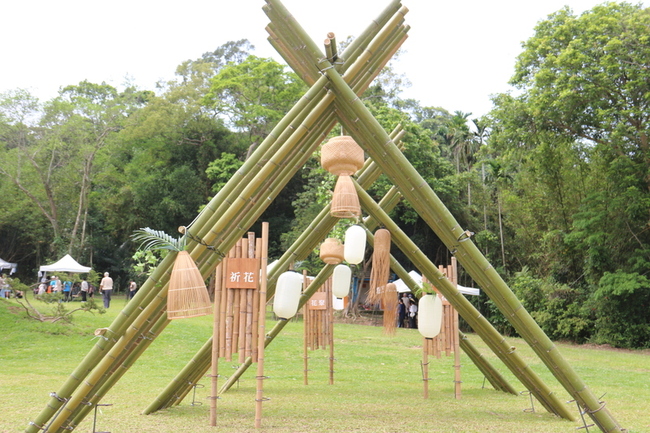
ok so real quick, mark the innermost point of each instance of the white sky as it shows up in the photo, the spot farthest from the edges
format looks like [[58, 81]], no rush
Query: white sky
[[458, 52]]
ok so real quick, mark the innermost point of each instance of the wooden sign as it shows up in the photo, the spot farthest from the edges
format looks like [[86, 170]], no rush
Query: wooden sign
[[318, 301], [242, 273]]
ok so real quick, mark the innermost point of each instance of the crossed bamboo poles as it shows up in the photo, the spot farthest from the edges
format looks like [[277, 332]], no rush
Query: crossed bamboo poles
[[243, 199]]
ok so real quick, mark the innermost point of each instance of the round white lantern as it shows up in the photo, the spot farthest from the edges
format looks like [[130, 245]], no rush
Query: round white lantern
[[429, 315], [287, 294], [355, 244], [341, 278]]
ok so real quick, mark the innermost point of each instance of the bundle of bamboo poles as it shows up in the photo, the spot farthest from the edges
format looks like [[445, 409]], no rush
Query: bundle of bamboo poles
[[239, 307], [217, 227]]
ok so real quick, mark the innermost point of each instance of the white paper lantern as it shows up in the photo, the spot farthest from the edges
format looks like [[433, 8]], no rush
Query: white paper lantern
[[429, 315], [287, 294], [341, 278], [355, 244]]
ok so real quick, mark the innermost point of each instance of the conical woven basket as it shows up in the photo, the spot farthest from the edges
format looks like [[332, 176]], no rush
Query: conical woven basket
[[187, 295], [345, 201], [331, 251], [341, 156]]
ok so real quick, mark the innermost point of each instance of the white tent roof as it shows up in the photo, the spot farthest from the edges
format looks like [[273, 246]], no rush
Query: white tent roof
[[7, 265], [402, 287], [66, 264]]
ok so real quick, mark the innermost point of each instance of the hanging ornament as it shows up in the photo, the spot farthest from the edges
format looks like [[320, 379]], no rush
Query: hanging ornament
[[380, 266], [343, 157], [429, 315], [355, 244], [341, 278], [187, 295], [287, 294], [331, 251], [389, 301]]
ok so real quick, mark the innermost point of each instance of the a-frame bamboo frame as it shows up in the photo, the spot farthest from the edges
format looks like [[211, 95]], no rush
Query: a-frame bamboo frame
[[336, 82]]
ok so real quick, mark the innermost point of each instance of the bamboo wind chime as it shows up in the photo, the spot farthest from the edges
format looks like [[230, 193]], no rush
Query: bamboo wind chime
[[318, 315], [343, 157], [380, 290], [239, 309]]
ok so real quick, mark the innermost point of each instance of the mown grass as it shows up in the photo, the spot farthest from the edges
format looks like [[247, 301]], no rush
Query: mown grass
[[377, 387]]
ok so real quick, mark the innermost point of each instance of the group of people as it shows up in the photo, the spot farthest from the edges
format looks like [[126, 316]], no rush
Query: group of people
[[407, 311], [83, 289]]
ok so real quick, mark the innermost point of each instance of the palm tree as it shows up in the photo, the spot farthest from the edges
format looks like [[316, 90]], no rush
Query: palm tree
[[498, 176]]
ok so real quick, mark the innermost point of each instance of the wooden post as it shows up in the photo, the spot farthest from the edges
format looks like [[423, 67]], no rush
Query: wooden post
[[330, 322], [426, 342], [259, 398], [307, 332], [215, 346]]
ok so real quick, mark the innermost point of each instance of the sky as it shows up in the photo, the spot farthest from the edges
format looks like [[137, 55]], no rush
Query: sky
[[458, 52]]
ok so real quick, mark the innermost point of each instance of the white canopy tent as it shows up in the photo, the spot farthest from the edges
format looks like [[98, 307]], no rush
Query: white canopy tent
[[66, 264], [7, 265], [402, 287]]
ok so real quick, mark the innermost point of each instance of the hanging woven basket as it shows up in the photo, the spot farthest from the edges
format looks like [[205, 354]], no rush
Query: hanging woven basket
[[341, 156], [331, 251], [187, 295], [380, 265]]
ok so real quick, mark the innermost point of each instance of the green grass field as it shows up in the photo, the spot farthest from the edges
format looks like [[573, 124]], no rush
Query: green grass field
[[378, 386]]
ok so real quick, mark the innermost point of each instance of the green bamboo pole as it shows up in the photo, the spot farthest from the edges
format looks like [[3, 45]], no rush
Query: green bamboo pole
[[155, 330], [490, 335], [493, 376], [380, 145]]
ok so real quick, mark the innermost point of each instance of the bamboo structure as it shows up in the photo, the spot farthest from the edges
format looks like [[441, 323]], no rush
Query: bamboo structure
[[336, 81], [318, 319]]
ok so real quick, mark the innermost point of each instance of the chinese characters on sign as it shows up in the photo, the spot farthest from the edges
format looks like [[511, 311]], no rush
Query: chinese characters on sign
[[243, 273], [318, 301]]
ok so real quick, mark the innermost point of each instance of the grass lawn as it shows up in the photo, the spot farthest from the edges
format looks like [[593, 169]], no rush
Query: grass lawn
[[378, 386]]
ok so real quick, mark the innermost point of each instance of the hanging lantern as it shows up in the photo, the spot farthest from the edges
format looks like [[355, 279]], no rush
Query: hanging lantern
[[343, 157], [341, 279], [380, 266], [187, 295], [287, 294], [355, 244], [429, 315], [389, 301], [331, 251]]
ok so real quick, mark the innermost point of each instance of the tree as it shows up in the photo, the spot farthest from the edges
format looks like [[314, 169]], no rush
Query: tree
[[254, 95]]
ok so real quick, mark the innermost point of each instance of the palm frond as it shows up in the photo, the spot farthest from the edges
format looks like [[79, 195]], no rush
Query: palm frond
[[157, 240]]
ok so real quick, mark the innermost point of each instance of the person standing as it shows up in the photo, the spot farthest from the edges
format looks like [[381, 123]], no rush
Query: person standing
[[133, 289], [413, 312], [84, 290], [106, 287], [67, 287], [401, 313]]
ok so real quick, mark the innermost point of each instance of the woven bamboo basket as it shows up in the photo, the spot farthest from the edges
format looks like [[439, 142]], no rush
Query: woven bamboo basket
[[331, 251], [187, 295], [341, 156]]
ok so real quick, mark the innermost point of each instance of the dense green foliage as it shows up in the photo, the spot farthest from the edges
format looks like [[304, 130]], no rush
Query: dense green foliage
[[554, 182]]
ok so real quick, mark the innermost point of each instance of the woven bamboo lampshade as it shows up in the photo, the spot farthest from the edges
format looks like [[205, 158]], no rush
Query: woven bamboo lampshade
[[343, 157], [187, 295], [331, 251]]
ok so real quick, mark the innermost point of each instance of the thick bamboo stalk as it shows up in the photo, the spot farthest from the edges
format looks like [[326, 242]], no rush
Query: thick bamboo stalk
[[306, 334], [426, 345], [496, 342], [493, 376]]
